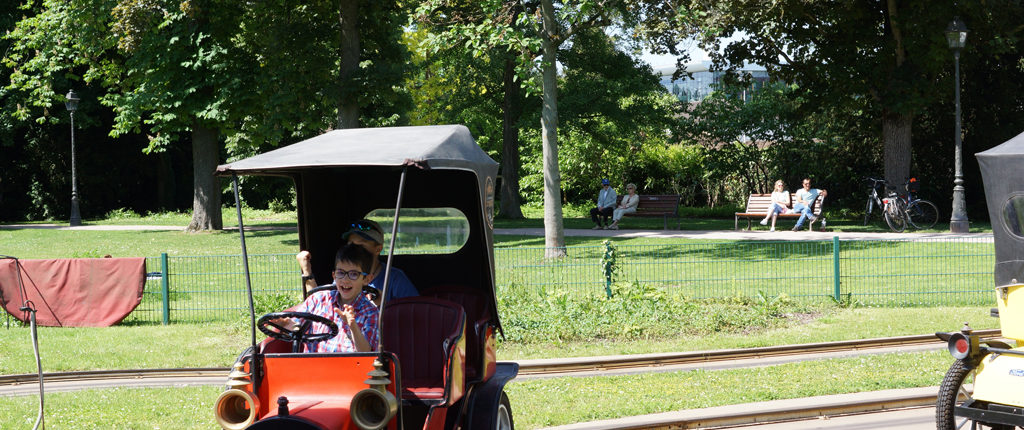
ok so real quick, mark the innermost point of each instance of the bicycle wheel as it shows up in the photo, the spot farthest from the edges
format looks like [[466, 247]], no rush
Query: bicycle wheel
[[867, 210], [895, 217], [923, 214]]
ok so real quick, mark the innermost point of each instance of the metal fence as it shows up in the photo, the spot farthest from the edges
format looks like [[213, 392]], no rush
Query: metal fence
[[956, 271], [912, 272]]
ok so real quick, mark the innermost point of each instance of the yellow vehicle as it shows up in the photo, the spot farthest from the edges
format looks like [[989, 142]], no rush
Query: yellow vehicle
[[985, 386]]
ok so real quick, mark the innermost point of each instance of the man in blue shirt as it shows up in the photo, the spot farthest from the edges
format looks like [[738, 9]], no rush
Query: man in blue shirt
[[605, 205], [804, 204], [369, 235]]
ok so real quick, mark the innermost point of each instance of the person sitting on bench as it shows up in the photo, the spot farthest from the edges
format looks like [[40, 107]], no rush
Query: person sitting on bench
[[627, 206], [605, 205], [780, 204], [805, 204]]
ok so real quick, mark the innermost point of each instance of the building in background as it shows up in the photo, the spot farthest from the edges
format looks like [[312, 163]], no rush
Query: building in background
[[704, 80]]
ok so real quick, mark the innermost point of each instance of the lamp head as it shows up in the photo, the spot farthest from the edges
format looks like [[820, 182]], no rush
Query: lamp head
[[956, 34], [72, 101]]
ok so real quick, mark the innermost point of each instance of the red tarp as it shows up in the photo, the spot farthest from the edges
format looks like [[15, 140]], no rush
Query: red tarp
[[74, 292]]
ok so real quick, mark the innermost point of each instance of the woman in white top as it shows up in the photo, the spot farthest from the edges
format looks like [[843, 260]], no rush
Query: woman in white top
[[628, 205], [780, 204]]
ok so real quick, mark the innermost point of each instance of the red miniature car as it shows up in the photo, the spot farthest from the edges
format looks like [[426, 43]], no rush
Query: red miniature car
[[435, 367]]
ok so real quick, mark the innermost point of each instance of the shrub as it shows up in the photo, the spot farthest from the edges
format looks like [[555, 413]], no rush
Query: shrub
[[635, 311]]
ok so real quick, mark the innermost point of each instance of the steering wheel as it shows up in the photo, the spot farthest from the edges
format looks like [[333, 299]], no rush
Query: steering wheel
[[298, 335]]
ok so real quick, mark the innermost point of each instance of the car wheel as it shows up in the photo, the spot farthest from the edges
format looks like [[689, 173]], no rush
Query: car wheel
[[952, 393], [504, 419]]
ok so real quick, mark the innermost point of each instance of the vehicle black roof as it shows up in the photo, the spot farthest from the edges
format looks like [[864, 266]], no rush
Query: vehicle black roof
[[1002, 170], [434, 147]]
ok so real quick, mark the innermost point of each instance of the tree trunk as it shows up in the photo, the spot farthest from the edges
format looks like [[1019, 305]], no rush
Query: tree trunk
[[206, 188], [896, 134], [348, 105], [554, 236], [510, 199], [896, 127]]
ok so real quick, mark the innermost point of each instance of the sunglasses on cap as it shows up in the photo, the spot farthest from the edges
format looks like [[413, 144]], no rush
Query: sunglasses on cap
[[362, 227]]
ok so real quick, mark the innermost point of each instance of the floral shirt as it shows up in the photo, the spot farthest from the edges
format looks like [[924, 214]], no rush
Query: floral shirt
[[323, 304]]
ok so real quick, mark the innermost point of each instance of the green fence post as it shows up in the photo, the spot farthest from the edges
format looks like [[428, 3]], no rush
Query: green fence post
[[835, 270], [165, 286]]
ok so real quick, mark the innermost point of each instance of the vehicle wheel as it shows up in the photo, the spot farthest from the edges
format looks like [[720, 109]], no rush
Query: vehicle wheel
[[504, 419], [923, 214], [867, 211], [894, 217], [952, 393]]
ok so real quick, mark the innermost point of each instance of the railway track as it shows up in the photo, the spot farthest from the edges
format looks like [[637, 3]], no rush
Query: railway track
[[556, 367], [774, 412]]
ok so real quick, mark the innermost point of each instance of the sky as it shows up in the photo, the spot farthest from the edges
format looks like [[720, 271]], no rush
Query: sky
[[657, 61], [697, 55]]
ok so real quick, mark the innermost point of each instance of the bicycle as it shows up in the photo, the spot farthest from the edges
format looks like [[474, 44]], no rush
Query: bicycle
[[922, 214], [873, 199], [900, 211]]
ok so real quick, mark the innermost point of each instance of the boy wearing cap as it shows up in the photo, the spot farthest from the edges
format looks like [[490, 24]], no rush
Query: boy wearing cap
[[605, 205], [369, 235]]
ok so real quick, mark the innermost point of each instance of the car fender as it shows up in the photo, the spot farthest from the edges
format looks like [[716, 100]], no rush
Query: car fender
[[485, 396]]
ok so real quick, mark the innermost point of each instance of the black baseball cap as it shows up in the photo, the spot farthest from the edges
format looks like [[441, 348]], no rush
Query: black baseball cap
[[368, 229]]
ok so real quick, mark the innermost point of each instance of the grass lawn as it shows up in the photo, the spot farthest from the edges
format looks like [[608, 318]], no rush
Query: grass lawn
[[542, 403], [641, 318], [217, 345], [535, 404], [574, 217]]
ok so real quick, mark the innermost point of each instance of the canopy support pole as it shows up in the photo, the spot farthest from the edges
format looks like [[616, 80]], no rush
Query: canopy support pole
[[248, 286], [391, 251]]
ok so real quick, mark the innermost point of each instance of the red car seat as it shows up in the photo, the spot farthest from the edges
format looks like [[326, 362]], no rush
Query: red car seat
[[427, 335]]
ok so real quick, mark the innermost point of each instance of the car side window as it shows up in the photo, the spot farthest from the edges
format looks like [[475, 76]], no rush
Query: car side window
[[1013, 215], [424, 230]]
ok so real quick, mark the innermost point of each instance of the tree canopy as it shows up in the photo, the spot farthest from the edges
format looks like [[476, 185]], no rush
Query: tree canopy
[[551, 89]]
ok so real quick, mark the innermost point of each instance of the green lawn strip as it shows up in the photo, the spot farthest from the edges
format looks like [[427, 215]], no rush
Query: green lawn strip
[[535, 403], [548, 402], [43, 243], [179, 408], [49, 243], [123, 347], [217, 345], [844, 324], [574, 217], [229, 218]]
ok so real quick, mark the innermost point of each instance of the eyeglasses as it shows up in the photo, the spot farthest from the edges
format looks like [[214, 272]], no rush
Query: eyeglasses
[[352, 274]]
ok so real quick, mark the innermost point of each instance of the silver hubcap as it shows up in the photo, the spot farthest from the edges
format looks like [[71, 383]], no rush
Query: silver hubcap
[[504, 421]]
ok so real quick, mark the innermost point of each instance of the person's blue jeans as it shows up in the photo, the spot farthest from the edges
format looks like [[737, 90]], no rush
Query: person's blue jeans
[[805, 213]]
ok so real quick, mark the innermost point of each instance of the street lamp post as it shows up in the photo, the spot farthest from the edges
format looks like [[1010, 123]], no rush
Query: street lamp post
[[72, 105], [956, 35]]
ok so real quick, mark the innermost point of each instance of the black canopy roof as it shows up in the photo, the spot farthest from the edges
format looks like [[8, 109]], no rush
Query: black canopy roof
[[436, 146], [1002, 170]]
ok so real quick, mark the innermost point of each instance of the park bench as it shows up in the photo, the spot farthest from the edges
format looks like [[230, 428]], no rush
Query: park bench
[[757, 208], [656, 205]]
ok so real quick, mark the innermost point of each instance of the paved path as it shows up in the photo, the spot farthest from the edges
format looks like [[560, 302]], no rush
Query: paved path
[[742, 234], [678, 234]]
